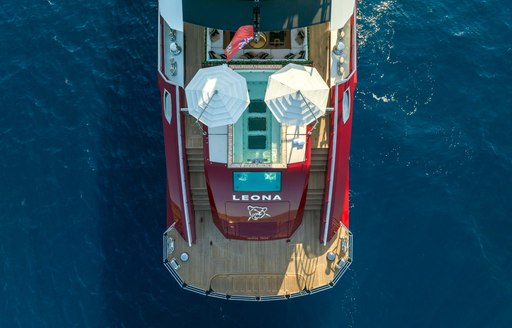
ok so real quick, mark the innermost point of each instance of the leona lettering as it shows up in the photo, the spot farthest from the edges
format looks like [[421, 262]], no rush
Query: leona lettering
[[256, 197]]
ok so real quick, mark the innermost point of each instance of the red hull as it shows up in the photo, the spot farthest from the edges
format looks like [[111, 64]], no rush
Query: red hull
[[179, 211], [230, 209]]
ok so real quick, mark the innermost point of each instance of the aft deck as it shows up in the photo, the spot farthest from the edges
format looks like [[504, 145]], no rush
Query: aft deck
[[252, 268]]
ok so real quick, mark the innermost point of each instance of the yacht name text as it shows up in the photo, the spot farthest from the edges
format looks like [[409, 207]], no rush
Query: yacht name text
[[256, 197]]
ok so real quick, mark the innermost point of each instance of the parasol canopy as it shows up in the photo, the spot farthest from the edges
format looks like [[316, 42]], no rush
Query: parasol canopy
[[296, 95], [217, 96]]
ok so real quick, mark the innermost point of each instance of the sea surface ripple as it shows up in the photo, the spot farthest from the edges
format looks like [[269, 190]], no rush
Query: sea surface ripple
[[82, 173]]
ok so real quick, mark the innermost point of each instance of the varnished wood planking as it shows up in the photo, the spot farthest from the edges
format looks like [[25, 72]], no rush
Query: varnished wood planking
[[193, 133], [194, 50], [319, 36], [319, 49], [320, 136], [232, 266]]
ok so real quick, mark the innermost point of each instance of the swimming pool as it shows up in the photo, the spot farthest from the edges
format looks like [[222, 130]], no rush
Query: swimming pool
[[257, 134]]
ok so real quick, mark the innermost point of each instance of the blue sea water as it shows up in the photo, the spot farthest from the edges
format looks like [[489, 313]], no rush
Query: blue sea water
[[82, 179]]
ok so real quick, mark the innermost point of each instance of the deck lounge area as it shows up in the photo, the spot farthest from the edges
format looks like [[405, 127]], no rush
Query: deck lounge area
[[255, 268]]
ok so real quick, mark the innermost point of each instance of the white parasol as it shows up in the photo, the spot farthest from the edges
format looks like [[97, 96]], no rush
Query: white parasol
[[217, 96], [296, 95]]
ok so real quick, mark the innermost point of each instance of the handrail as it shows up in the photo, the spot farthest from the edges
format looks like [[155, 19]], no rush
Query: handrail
[[226, 296]]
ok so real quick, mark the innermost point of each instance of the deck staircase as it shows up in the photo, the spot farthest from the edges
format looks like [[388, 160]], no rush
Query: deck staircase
[[195, 163]]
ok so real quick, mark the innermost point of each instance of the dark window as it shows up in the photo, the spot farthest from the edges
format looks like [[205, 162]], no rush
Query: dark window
[[257, 107], [278, 39], [257, 142], [257, 124]]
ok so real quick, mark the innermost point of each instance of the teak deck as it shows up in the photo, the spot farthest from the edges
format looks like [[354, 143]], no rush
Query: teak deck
[[257, 268]]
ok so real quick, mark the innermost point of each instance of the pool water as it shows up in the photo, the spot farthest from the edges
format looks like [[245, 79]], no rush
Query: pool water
[[257, 134], [257, 181]]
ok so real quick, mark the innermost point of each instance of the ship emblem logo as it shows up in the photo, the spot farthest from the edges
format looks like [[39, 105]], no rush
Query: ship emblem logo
[[257, 212]]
